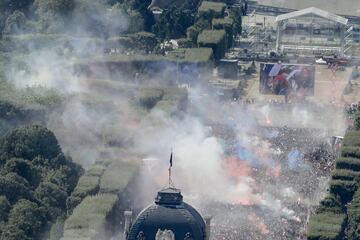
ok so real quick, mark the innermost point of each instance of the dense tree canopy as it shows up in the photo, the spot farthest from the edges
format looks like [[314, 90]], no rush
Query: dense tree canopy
[[8, 6], [54, 6], [174, 21], [36, 179], [26, 219], [30, 142]]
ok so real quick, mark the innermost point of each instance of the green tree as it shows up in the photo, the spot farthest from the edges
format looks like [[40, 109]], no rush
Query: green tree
[[142, 7], [14, 187], [357, 122], [236, 14], [29, 142], [37, 178], [194, 31], [62, 7], [53, 14], [4, 209], [12, 5], [15, 23], [53, 197], [123, 19], [24, 169], [89, 16], [26, 220], [174, 22]]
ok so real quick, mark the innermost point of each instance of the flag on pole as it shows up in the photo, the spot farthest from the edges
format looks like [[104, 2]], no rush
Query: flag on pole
[[170, 165], [171, 159]]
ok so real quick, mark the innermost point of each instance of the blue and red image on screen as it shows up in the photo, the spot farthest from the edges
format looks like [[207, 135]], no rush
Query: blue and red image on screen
[[287, 79]]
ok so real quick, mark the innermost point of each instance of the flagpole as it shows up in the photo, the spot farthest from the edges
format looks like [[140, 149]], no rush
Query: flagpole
[[170, 166]]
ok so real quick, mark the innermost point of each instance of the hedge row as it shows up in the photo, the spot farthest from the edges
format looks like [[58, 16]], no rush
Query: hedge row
[[227, 24], [330, 221], [354, 217], [210, 10], [117, 177], [344, 189], [150, 96], [27, 42], [90, 217], [185, 43], [348, 163], [198, 55], [215, 39], [89, 184], [352, 133], [211, 37], [94, 204], [350, 151], [352, 138], [331, 204], [143, 41], [326, 226], [345, 174]]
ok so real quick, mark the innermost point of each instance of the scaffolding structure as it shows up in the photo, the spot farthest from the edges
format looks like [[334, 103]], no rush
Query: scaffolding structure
[[313, 31]]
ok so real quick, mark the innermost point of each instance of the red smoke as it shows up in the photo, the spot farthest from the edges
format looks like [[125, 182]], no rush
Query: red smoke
[[236, 168]]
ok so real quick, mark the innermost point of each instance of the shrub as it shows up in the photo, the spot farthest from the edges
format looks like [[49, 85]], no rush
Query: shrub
[[198, 55], [141, 41], [344, 189], [326, 226], [149, 97], [352, 133], [211, 10], [185, 43], [214, 39], [357, 122], [57, 229], [71, 203], [227, 25], [348, 163], [353, 152], [330, 203], [89, 217], [354, 217], [352, 138], [87, 185], [345, 174], [117, 177], [193, 31], [96, 170]]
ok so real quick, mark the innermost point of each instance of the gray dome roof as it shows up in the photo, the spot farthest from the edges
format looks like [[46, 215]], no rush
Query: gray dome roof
[[169, 213]]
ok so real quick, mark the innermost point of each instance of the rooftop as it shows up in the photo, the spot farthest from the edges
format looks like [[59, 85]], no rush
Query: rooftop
[[342, 7], [314, 11]]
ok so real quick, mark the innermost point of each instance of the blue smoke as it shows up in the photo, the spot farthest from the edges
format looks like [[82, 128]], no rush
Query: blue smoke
[[294, 159]]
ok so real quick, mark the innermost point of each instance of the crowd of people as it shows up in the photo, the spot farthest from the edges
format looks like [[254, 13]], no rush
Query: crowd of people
[[303, 179]]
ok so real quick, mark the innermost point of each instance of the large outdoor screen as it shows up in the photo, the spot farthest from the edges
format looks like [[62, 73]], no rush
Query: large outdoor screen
[[287, 79]]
